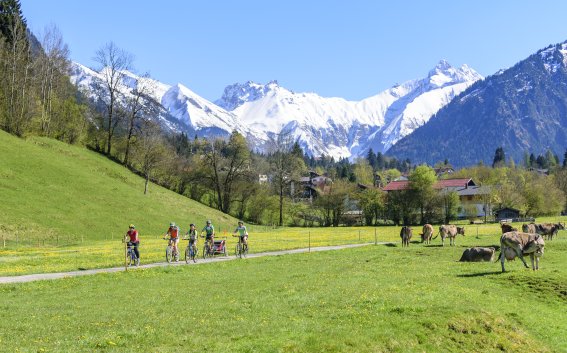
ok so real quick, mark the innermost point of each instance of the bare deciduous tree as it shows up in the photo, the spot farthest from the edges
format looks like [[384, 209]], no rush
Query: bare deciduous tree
[[114, 62], [50, 66]]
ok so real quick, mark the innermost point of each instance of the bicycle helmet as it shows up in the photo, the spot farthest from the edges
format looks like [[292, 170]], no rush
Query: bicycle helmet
[[240, 222], [172, 224], [191, 225], [208, 221], [132, 226]]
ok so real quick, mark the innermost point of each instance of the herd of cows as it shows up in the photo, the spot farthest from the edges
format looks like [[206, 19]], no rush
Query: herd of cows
[[513, 243]]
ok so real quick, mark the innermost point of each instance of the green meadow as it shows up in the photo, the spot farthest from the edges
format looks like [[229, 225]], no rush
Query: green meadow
[[52, 193], [371, 299]]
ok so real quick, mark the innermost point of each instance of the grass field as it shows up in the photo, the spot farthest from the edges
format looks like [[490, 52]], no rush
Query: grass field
[[371, 299], [55, 193]]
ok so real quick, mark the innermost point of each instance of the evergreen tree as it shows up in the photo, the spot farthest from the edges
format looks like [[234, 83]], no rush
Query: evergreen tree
[[371, 157], [499, 158], [565, 159], [10, 16], [532, 161], [380, 161]]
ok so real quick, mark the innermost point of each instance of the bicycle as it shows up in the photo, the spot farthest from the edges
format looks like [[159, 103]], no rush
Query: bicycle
[[131, 258], [208, 251], [170, 254], [191, 252], [241, 249]]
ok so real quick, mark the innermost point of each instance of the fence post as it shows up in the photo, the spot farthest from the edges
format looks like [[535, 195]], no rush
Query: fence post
[[375, 237], [359, 235], [309, 241]]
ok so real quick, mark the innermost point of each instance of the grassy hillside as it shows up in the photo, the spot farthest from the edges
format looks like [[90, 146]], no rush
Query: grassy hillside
[[372, 299], [49, 189]]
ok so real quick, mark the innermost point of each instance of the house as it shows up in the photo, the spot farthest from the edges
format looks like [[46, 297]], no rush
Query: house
[[507, 213], [471, 196], [314, 184], [262, 179], [444, 170]]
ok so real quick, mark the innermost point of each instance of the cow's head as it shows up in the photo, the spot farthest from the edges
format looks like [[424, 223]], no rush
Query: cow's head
[[461, 230], [560, 226], [535, 245]]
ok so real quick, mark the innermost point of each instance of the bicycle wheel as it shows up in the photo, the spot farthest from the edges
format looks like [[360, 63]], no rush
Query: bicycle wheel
[[245, 250], [128, 259], [205, 251], [194, 253], [136, 260], [187, 255], [236, 251], [168, 254]]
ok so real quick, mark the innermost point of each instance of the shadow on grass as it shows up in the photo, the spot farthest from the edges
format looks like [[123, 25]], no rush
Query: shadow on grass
[[391, 245], [479, 274]]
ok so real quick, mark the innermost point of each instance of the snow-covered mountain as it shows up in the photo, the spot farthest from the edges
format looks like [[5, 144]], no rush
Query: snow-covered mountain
[[341, 128], [330, 126]]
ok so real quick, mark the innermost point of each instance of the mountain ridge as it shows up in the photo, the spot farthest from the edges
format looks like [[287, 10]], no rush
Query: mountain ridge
[[330, 126]]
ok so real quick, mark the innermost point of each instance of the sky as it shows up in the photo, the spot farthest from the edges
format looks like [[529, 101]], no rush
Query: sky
[[351, 49]]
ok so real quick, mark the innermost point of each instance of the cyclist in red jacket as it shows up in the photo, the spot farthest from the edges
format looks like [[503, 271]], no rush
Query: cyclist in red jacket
[[174, 233], [133, 239]]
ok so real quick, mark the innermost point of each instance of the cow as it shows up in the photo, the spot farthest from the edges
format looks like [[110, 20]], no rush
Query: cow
[[450, 231], [518, 244], [549, 229], [529, 228], [507, 228], [478, 254], [405, 234], [427, 233]]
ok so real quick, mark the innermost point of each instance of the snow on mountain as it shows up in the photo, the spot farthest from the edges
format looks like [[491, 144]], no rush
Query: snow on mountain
[[341, 128], [331, 126]]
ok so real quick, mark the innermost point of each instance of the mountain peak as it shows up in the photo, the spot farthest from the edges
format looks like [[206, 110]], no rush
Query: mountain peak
[[237, 94], [443, 73]]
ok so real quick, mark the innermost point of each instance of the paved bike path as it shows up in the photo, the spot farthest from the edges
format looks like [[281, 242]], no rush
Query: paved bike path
[[58, 275]]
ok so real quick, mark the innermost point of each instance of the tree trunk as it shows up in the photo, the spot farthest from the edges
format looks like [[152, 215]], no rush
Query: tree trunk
[[146, 185]]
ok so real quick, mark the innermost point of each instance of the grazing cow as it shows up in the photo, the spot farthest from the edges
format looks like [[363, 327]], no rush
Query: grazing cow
[[507, 228], [450, 231], [427, 233], [549, 229], [405, 234], [529, 228], [477, 254], [518, 244]]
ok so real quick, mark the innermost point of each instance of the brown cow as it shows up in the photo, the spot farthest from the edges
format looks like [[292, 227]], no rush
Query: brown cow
[[549, 229], [514, 244], [477, 254], [405, 234], [427, 233], [450, 231], [507, 228], [529, 228]]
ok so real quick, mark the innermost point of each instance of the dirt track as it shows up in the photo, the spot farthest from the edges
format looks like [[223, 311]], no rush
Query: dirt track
[[58, 275]]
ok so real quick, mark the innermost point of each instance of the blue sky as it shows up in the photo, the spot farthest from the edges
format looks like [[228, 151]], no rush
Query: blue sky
[[351, 49]]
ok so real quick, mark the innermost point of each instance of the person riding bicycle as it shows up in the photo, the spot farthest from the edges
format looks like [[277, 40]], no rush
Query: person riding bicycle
[[192, 233], [173, 232], [242, 233], [209, 231], [133, 239]]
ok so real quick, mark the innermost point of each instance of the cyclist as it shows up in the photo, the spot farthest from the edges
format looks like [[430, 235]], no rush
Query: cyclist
[[209, 231], [242, 233], [173, 232], [192, 233], [133, 239]]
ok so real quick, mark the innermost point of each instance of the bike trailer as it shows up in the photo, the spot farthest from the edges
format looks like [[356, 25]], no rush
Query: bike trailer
[[218, 246]]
